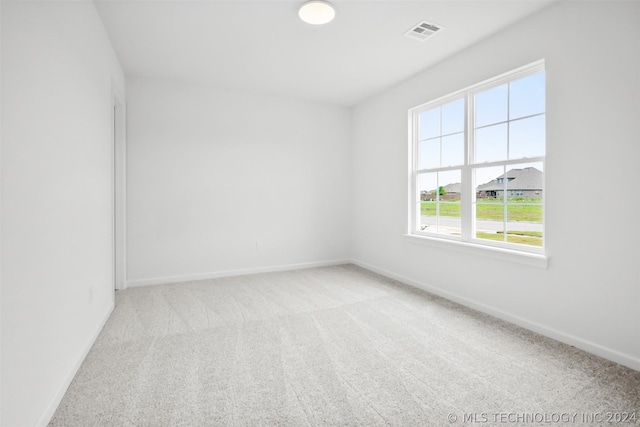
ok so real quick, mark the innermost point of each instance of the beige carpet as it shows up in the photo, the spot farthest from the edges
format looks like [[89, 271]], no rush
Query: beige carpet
[[330, 346]]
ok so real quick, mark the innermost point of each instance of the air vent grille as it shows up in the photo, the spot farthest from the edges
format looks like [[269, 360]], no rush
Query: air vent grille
[[423, 30]]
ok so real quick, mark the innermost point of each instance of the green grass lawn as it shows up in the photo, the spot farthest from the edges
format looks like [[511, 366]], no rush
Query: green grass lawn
[[518, 209], [533, 238]]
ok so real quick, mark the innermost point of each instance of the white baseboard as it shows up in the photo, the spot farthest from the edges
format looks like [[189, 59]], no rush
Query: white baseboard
[[45, 417], [230, 273], [588, 346]]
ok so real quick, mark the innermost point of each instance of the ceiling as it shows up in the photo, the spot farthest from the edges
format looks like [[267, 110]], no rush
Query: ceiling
[[262, 46]]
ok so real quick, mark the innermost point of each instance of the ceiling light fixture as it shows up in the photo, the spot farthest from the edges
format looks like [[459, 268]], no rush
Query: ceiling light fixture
[[317, 12]]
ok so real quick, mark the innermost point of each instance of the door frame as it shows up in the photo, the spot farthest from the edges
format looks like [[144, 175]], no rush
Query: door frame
[[119, 198]]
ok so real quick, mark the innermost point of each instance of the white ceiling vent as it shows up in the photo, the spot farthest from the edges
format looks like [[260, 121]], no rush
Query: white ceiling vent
[[423, 30]]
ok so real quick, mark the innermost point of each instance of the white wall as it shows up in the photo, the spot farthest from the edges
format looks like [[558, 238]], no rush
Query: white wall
[[0, 214], [57, 277], [590, 293], [211, 172]]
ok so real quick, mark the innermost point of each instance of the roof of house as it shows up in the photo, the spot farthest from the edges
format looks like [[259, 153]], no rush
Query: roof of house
[[453, 187], [519, 179], [449, 188]]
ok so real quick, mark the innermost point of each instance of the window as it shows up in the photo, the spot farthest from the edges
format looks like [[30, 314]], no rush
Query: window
[[478, 159]]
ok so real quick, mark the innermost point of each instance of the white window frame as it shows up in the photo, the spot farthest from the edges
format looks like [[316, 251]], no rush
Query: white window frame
[[467, 241]]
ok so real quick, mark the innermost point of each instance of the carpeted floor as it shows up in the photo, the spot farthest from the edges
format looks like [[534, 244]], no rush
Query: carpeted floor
[[331, 346]]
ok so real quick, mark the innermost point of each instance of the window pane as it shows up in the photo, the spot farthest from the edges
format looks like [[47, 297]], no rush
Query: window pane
[[453, 150], [428, 218], [429, 124], [427, 186], [453, 117], [489, 182], [524, 204], [440, 202], [491, 106], [490, 219], [524, 212], [524, 183], [449, 221], [527, 137], [491, 143], [449, 188], [524, 232], [526, 96], [429, 153], [489, 200]]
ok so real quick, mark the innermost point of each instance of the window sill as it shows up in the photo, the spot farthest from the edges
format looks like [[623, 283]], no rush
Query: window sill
[[526, 258]]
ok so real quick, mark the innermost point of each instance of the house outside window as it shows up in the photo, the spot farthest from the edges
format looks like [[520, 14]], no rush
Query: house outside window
[[478, 161]]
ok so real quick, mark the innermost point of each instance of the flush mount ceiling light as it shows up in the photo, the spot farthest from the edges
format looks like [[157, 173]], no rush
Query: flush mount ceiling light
[[317, 12]]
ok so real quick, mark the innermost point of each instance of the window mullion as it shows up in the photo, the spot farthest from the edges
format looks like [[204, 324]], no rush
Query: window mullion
[[505, 183], [415, 192], [466, 202]]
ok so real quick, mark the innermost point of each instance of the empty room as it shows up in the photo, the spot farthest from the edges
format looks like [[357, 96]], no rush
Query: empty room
[[319, 213]]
